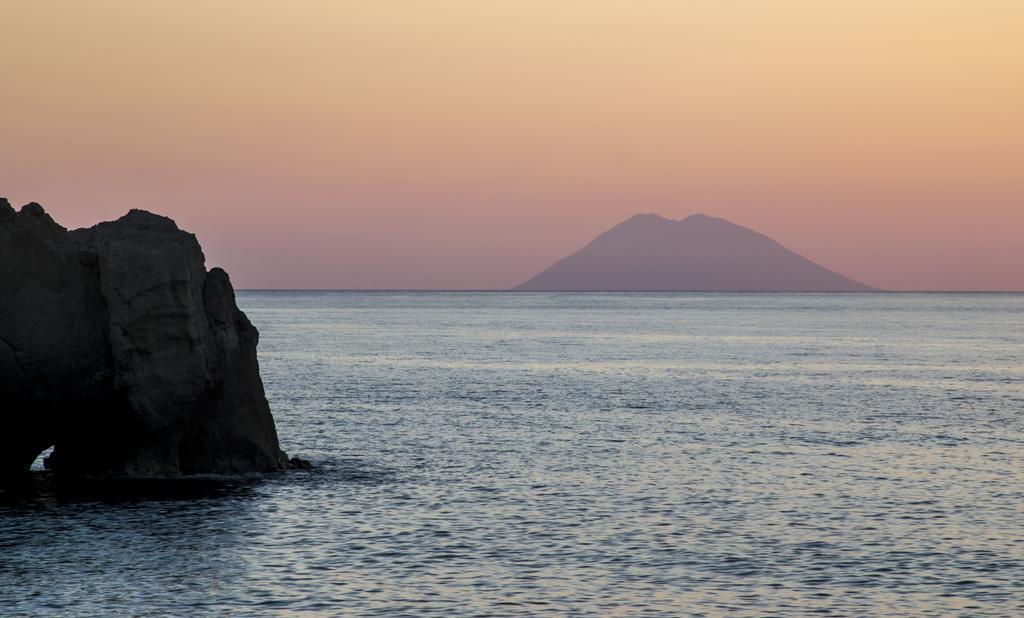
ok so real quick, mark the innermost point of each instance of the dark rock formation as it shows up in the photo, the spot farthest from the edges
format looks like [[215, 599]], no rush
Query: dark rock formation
[[119, 349], [699, 253]]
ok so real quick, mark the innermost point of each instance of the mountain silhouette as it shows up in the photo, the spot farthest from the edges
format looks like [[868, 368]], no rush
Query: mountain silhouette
[[699, 253]]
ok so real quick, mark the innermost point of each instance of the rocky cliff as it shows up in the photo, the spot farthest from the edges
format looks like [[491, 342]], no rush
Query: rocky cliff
[[119, 349]]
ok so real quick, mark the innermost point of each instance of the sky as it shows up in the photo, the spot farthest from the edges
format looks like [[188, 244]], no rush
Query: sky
[[470, 143]]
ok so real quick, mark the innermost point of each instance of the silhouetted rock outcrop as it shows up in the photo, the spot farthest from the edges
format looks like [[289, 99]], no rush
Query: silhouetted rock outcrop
[[122, 351], [699, 253]]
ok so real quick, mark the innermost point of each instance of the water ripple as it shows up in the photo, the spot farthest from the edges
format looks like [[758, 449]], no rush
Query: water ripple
[[552, 454]]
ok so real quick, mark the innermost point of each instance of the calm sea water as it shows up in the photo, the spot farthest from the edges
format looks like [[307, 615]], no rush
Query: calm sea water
[[602, 454]]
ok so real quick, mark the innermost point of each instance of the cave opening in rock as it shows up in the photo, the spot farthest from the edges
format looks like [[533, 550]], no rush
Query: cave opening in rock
[[38, 465]]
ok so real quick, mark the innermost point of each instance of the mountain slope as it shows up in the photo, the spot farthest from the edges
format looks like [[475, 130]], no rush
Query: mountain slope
[[698, 253]]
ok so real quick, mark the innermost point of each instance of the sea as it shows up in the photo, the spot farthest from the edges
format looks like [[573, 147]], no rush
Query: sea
[[586, 454]]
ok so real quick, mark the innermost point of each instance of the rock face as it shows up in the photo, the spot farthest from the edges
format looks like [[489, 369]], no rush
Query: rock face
[[699, 253], [119, 349]]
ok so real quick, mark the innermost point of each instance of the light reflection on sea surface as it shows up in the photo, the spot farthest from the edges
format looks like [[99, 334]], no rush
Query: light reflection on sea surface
[[597, 454]]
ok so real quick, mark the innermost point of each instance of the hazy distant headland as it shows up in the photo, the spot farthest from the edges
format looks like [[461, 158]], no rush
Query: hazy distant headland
[[648, 252]]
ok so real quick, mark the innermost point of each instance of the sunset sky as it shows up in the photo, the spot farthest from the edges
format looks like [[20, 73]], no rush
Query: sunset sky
[[470, 143]]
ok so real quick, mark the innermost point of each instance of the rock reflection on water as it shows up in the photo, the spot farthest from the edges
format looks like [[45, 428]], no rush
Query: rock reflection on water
[[598, 454]]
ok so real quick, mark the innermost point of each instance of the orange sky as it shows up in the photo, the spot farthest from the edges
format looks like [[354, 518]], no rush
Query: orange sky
[[469, 143]]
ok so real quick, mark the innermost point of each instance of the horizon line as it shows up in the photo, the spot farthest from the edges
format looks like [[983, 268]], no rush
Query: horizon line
[[507, 290]]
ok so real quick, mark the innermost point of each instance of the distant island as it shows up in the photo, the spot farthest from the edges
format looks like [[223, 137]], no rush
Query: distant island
[[648, 252]]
